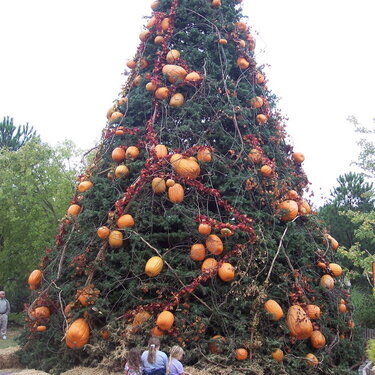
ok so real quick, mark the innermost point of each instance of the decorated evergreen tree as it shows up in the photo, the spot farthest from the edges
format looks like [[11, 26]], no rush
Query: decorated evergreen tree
[[189, 224]]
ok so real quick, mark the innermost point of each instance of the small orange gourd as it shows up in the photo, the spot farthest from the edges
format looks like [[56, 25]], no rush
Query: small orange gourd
[[42, 312], [193, 77], [103, 232], [174, 73], [278, 355], [84, 186], [273, 308], [342, 308], [214, 244], [158, 185], [118, 154], [41, 328], [223, 41], [335, 269], [157, 332], [255, 156], [141, 317], [35, 279], [312, 360], [132, 152], [266, 171], [125, 221], [74, 210], [298, 157], [241, 354], [204, 155], [242, 63], [326, 281], [121, 171], [177, 100], [313, 311], [176, 193], [115, 239], [172, 56], [317, 340], [204, 229], [161, 151], [256, 102], [226, 272], [154, 266], [216, 344], [162, 93], [261, 119], [209, 264], [197, 252]]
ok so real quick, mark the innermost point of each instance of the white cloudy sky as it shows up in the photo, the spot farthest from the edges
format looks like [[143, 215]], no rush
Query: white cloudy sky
[[61, 66]]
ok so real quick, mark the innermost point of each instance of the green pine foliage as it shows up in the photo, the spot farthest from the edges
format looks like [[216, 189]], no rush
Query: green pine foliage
[[278, 263]]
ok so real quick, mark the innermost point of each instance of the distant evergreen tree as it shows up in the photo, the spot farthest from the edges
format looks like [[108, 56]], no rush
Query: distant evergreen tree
[[14, 137]]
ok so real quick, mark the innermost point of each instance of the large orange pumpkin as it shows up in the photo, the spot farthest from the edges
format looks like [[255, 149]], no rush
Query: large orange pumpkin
[[313, 311], [34, 279], [273, 308], [226, 272], [299, 323], [327, 281], [118, 154], [154, 266], [42, 312], [125, 221], [158, 185], [209, 264], [241, 354], [214, 244], [115, 239], [74, 210], [176, 193], [198, 252], [84, 186], [165, 320], [312, 360], [288, 209], [77, 334], [278, 355], [161, 151], [335, 269], [317, 340], [172, 56], [174, 73]]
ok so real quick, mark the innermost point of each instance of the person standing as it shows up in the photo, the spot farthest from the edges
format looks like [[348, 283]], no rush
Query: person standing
[[4, 311], [154, 361]]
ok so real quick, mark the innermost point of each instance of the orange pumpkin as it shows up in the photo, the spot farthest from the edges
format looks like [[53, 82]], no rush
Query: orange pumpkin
[[109, 112], [158, 185], [317, 340], [174, 73], [143, 63], [273, 308], [204, 229], [123, 100], [68, 309], [334, 244], [162, 93], [321, 265], [226, 272], [118, 154], [41, 328], [326, 281], [313, 311], [161, 151], [170, 182], [204, 155], [42, 312], [242, 43], [278, 355], [193, 77], [176, 193], [223, 41], [288, 209], [132, 152], [198, 252], [266, 171], [292, 194], [84, 186], [35, 279], [177, 100], [144, 35], [172, 56], [165, 23], [121, 171], [256, 102], [137, 80], [165, 320], [304, 208], [255, 156], [209, 264], [74, 210], [214, 244], [261, 119], [216, 344], [155, 5], [141, 317], [131, 64], [185, 167], [226, 232], [241, 26], [216, 3], [342, 307], [242, 63], [156, 331], [298, 157], [241, 354], [159, 40], [259, 78], [335, 269], [77, 334], [116, 115], [154, 266], [125, 221], [312, 360], [87, 298], [103, 232], [151, 22], [115, 239], [299, 323]]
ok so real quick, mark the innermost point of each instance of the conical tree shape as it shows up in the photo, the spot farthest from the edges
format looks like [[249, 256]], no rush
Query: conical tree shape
[[217, 224]]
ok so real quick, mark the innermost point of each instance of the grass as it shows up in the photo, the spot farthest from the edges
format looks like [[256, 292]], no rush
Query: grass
[[13, 332]]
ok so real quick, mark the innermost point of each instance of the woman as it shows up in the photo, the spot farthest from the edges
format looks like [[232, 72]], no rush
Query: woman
[[154, 361]]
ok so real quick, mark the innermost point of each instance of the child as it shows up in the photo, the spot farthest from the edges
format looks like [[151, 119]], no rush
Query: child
[[154, 361], [133, 365], [174, 365]]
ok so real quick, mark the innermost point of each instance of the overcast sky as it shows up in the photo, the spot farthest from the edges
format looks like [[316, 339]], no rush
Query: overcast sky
[[61, 67]]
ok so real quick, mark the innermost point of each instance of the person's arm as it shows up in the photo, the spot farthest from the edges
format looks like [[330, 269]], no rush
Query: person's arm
[[8, 308]]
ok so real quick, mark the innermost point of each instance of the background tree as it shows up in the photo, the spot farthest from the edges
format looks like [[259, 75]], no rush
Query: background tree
[[190, 218], [35, 186], [12, 137]]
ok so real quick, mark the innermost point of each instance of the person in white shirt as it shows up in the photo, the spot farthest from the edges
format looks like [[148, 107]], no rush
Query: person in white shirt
[[4, 311]]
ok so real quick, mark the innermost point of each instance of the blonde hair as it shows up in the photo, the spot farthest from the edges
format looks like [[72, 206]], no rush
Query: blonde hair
[[175, 352], [153, 344]]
